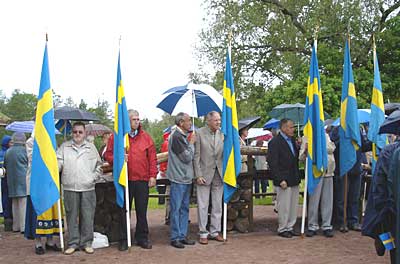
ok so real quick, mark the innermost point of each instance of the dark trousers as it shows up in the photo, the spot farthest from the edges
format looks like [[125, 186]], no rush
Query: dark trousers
[[138, 190], [353, 198], [6, 201], [264, 185]]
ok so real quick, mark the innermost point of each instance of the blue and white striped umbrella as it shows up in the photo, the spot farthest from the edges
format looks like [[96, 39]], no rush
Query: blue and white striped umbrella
[[194, 99], [21, 126]]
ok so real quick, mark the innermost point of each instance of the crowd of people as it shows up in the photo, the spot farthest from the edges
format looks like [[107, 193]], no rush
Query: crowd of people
[[193, 157]]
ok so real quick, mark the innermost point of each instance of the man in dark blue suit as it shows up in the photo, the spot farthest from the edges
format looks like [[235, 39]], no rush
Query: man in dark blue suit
[[283, 162]]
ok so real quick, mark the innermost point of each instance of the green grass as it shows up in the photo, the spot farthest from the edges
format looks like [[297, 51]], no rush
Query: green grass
[[1, 220]]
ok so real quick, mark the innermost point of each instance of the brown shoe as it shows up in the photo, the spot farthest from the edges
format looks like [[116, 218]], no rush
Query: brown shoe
[[203, 240], [218, 238]]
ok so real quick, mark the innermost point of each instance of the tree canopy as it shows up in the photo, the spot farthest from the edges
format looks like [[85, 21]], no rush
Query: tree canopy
[[271, 48]]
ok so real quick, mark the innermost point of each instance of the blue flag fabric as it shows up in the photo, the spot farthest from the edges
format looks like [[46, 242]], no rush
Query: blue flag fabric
[[45, 184], [231, 156], [314, 127], [349, 131], [377, 116], [387, 240], [121, 142], [64, 126]]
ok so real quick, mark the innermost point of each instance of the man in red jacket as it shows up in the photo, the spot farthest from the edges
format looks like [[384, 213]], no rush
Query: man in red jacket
[[142, 172]]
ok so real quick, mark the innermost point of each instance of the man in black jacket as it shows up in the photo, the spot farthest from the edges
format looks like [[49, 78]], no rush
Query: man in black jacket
[[283, 162]]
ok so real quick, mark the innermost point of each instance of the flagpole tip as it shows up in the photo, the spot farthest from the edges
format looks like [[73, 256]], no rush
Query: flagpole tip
[[47, 37]]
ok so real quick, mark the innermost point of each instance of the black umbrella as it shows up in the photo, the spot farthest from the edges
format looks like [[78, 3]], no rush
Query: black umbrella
[[391, 107], [391, 124], [71, 113], [248, 122]]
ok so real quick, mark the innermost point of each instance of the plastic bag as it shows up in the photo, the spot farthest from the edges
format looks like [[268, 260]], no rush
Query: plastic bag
[[100, 240]]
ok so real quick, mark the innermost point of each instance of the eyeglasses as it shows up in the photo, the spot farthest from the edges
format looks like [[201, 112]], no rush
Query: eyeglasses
[[136, 119], [77, 132]]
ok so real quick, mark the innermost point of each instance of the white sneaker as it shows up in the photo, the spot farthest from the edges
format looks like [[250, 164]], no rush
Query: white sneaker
[[89, 250], [69, 251]]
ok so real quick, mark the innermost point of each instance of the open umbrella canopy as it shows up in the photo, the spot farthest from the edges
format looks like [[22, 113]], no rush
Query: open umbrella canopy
[[72, 113], [259, 133], [23, 126], [194, 99], [391, 107], [391, 125], [272, 123], [97, 129], [248, 122], [363, 117], [295, 112]]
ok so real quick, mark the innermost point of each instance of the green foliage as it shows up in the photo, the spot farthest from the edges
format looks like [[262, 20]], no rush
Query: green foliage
[[103, 112], [155, 128], [271, 48], [82, 105], [388, 49], [20, 107]]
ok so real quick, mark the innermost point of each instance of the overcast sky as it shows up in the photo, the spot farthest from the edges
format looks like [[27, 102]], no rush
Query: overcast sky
[[157, 48]]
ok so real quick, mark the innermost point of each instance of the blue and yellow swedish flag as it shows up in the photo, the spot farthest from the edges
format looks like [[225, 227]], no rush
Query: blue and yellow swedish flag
[[231, 157], [377, 115], [349, 131], [121, 142], [64, 126], [45, 184], [387, 240], [314, 127]]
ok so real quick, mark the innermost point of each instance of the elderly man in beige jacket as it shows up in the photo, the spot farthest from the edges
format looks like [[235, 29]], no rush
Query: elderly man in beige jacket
[[208, 173]]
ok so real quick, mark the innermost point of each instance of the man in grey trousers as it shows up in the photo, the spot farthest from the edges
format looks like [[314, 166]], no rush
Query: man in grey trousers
[[283, 162], [208, 173], [79, 163], [323, 193]]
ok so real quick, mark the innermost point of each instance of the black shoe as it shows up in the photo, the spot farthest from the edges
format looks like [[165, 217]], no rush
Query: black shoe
[[285, 234], [53, 247], [145, 244], [355, 227], [177, 244], [122, 245], [166, 221], [310, 233], [328, 233], [188, 242], [343, 229], [379, 247], [294, 233], [39, 250]]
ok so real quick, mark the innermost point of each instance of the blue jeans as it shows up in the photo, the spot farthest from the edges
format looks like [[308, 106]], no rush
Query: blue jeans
[[353, 196], [179, 214]]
